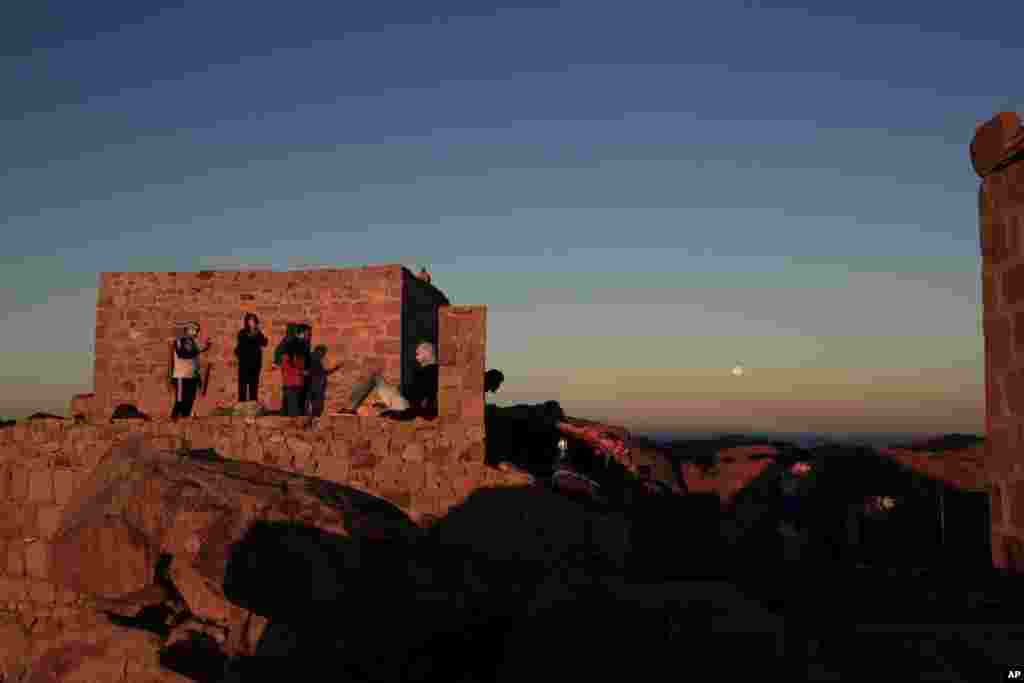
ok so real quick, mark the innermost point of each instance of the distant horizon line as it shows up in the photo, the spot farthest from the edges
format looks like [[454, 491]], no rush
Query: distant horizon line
[[837, 436]]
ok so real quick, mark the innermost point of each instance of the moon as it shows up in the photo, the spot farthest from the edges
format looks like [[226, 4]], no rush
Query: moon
[[738, 370]]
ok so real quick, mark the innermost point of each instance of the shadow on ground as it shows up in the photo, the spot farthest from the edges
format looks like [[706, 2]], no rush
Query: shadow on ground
[[523, 581]]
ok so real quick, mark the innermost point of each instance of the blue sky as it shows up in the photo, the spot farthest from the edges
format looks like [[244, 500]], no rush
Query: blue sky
[[644, 193]]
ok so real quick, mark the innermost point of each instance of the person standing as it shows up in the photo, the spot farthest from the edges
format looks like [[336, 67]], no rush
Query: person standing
[[294, 368], [186, 370], [249, 352], [305, 336], [318, 374]]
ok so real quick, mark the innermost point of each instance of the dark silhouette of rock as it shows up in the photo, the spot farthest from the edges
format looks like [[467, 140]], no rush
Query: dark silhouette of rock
[[127, 411], [44, 416], [947, 442]]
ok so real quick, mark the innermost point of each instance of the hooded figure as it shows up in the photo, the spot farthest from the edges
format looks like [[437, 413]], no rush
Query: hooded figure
[[249, 352]]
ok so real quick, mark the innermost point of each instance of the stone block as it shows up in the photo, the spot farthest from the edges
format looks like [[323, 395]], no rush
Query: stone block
[[13, 589], [48, 520], [1013, 386], [37, 559], [472, 407], [1013, 285], [995, 405], [63, 485], [12, 521], [332, 468], [16, 558], [42, 592], [40, 486], [414, 453]]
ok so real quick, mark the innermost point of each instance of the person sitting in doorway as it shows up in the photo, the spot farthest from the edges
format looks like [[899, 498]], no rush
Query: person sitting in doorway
[[420, 396]]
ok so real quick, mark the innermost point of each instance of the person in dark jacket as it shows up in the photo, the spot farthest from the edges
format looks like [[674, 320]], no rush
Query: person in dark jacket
[[290, 333], [318, 374], [419, 397], [249, 352], [422, 391]]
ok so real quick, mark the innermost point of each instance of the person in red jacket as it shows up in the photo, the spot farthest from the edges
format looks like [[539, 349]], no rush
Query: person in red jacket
[[294, 365]]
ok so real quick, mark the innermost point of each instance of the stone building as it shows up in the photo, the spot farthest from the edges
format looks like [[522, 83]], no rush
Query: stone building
[[370, 318]]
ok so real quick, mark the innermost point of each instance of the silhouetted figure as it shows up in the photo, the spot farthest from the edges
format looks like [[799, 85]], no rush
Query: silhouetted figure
[[793, 523], [318, 380], [493, 380], [249, 352]]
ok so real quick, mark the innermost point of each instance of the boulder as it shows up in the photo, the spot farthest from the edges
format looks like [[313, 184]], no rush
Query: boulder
[[995, 142], [95, 651], [219, 531], [14, 647]]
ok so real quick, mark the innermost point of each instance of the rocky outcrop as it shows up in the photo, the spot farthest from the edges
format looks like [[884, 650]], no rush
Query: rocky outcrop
[[97, 652], [197, 523], [996, 143]]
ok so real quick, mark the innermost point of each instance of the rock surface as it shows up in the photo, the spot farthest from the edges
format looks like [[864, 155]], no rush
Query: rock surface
[[210, 520], [91, 650]]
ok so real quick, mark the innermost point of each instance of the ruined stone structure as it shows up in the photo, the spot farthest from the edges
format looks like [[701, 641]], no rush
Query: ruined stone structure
[[370, 318], [997, 153]]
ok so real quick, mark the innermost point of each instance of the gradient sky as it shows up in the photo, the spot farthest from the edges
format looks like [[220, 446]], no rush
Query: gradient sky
[[644, 193]]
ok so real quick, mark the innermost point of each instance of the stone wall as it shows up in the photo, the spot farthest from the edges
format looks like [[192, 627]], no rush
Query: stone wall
[[997, 153], [356, 312], [420, 303], [425, 468], [462, 355]]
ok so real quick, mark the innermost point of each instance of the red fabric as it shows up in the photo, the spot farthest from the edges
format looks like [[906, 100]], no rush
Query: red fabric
[[292, 371]]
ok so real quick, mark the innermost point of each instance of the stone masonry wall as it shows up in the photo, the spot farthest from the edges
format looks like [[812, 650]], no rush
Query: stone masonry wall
[[423, 467], [356, 312], [462, 351], [997, 153]]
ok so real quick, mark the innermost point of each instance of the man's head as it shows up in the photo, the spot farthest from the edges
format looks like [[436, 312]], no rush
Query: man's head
[[250, 321], [191, 329], [800, 468], [493, 380], [426, 354]]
